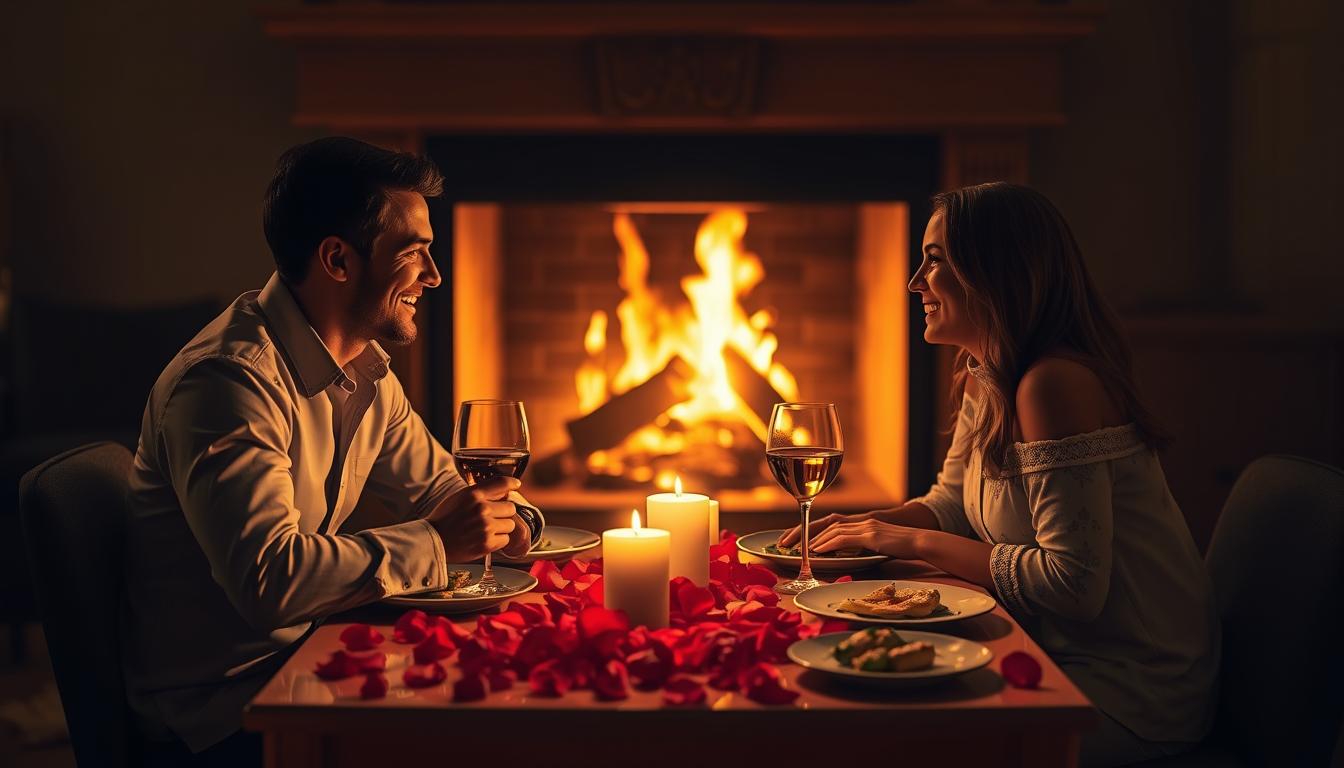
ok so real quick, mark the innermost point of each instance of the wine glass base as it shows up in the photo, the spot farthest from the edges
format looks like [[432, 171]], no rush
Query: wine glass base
[[482, 590], [796, 586]]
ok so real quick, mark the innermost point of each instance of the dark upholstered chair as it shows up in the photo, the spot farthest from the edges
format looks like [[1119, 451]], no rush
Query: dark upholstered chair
[[73, 509], [1277, 563]]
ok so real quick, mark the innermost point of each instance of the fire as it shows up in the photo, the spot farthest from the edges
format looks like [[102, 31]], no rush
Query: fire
[[711, 321]]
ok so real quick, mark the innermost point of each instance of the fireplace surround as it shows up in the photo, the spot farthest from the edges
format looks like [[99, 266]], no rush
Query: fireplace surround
[[594, 106]]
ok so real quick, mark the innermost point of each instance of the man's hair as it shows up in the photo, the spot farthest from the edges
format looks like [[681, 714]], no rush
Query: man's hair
[[336, 186]]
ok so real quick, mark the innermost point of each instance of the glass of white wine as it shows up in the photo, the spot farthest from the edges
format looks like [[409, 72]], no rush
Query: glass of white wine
[[804, 452], [490, 440]]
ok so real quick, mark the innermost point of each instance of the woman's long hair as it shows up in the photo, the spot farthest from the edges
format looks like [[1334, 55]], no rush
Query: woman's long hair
[[1028, 291]]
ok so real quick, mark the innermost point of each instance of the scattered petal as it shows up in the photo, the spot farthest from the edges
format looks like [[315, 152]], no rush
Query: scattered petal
[[764, 684], [611, 682], [411, 627], [424, 675], [1021, 670], [683, 691], [374, 687], [548, 679], [469, 688], [547, 575], [361, 637], [435, 647]]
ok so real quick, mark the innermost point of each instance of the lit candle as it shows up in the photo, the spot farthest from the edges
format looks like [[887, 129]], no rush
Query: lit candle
[[686, 517], [635, 572]]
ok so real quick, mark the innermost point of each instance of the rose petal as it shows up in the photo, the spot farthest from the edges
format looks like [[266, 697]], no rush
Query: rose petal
[[424, 675], [595, 621], [547, 575], [574, 569], [532, 613], [753, 573], [651, 667], [500, 636], [726, 549], [435, 647], [562, 605], [411, 627], [341, 665], [843, 579], [500, 679], [374, 687], [457, 632], [548, 679], [611, 682], [683, 691], [373, 662], [761, 594], [692, 600], [764, 684], [538, 644], [469, 688], [1021, 670], [361, 637]]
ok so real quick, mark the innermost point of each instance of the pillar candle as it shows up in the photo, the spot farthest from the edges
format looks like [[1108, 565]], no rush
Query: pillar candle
[[635, 573], [714, 522], [686, 517]]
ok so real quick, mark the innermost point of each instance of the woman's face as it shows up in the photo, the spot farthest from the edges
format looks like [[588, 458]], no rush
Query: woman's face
[[945, 317]]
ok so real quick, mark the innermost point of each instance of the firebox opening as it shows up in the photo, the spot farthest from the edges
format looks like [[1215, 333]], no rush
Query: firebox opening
[[650, 334]]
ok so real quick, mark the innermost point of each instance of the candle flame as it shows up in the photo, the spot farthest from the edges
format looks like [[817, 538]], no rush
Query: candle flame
[[677, 485], [634, 520]]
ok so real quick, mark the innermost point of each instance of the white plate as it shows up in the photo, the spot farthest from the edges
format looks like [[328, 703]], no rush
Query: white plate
[[961, 603], [951, 656], [755, 544], [517, 582], [560, 544]]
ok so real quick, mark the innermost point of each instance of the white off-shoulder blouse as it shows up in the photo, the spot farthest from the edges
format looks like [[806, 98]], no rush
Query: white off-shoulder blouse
[[1093, 558]]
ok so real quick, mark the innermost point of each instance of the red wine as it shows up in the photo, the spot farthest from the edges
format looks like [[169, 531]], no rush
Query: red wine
[[804, 472], [478, 465]]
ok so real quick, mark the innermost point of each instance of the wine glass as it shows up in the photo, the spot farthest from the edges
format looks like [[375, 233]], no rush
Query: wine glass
[[490, 440], [804, 451]]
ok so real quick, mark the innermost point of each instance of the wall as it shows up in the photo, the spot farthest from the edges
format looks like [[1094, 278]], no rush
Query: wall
[[142, 137]]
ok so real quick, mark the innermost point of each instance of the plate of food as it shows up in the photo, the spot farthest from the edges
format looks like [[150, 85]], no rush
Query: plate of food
[[557, 543], [888, 657], [765, 544], [894, 602], [460, 577]]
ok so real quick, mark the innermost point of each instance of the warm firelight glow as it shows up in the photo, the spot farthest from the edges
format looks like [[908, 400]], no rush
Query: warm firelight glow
[[677, 485], [634, 520], [711, 321]]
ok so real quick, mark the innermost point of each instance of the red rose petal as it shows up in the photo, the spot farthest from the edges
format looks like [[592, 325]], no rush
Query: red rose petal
[[843, 579], [764, 684], [361, 637], [562, 605], [538, 644], [532, 613], [683, 691], [651, 667], [424, 675], [341, 665], [499, 636], [457, 632], [469, 688], [547, 575], [835, 625], [548, 679], [411, 627], [500, 679], [611, 682], [574, 569], [726, 549], [692, 600], [373, 662], [761, 594], [595, 621], [1021, 670], [435, 647], [374, 687]]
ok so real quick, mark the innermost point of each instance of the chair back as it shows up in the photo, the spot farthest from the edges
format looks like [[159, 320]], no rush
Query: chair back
[[1277, 564], [74, 520]]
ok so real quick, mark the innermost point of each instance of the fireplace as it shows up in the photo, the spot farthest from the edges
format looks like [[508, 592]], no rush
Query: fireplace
[[824, 126], [651, 297]]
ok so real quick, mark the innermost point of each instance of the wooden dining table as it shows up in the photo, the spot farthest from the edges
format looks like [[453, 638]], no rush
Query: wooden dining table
[[973, 719]]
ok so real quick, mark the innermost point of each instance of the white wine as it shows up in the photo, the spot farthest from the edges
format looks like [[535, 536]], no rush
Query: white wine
[[804, 471]]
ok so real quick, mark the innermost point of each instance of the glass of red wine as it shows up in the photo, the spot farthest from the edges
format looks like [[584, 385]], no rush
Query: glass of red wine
[[489, 441], [804, 452]]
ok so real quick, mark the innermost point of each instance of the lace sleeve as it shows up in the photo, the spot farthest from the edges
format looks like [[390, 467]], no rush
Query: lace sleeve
[[1067, 571], [945, 498]]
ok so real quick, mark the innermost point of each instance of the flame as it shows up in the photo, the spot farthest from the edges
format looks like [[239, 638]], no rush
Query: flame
[[710, 321], [677, 485], [634, 520]]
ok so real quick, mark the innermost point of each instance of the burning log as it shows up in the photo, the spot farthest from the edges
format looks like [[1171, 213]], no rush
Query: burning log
[[754, 389], [618, 417]]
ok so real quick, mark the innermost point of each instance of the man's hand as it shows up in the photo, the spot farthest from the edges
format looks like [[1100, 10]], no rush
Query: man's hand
[[476, 520]]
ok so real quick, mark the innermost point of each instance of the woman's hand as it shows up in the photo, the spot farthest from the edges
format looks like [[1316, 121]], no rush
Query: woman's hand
[[791, 536], [871, 534]]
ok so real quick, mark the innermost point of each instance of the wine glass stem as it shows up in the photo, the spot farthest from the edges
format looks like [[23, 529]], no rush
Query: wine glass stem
[[805, 573], [488, 575]]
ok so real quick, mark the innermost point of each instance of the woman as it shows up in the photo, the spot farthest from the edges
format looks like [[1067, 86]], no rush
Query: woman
[[1052, 495]]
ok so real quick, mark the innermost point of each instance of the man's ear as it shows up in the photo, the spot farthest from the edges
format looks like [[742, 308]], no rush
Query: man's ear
[[334, 256]]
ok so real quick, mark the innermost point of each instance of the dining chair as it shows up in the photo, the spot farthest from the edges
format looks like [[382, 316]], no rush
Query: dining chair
[[1277, 564], [73, 511]]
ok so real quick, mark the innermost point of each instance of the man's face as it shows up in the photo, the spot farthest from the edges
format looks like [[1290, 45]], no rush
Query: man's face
[[397, 272]]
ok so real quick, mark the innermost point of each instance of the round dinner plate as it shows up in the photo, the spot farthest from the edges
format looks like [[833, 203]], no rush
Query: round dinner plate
[[557, 543], [755, 544], [517, 582], [951, 656], [957, 602]]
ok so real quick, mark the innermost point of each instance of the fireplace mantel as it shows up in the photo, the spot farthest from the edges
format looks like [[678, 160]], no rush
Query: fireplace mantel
[[414, 69]]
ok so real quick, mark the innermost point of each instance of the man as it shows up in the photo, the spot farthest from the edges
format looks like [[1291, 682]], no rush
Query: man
[[266, 430]]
